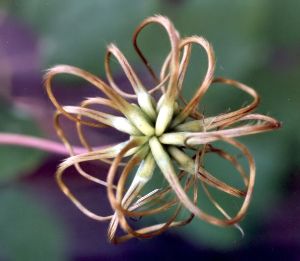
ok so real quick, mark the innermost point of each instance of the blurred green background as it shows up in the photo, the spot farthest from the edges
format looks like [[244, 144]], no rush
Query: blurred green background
[[256, 42]]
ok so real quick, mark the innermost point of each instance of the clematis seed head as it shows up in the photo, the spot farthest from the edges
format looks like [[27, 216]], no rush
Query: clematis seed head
[[164, 130]]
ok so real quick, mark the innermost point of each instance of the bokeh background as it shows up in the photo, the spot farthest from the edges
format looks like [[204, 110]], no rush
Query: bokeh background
[[256, 42]]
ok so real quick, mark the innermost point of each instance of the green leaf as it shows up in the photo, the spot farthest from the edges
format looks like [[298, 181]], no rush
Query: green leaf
[[28, 230], [17, 161], [283, 23], [236, 30], [76, 32]]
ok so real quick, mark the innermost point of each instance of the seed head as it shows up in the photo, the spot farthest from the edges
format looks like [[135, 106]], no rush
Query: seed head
[[169, 133]]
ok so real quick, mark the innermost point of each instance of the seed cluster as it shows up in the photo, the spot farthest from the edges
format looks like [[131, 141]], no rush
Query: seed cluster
[[169, 133]]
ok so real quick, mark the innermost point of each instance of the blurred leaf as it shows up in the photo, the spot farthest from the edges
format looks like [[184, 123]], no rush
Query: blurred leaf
[[76, 32], [16, 161], [271, 172], [236, 30], [281, 95], [283, 23], [4, 4], [28, 230]]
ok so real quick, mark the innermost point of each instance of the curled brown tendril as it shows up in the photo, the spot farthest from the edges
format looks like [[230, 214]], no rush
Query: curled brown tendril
[[168, 134]]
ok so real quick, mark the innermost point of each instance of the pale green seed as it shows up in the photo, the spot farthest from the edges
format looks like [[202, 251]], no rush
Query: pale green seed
[[192, 126], [147, 104], [161, 157], [173, 138], [185, 162], [137, 117], [122, 124], [146, 168], [164, 117]]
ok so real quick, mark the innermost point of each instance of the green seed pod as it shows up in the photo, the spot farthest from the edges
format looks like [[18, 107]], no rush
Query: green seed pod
[[137, 117], [164, 117], [147, 104]]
